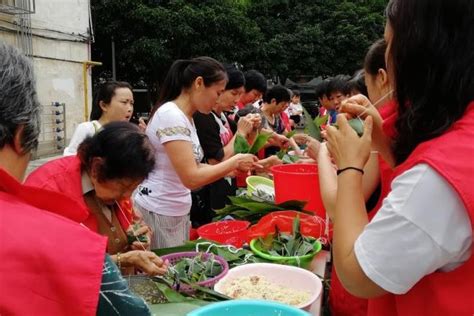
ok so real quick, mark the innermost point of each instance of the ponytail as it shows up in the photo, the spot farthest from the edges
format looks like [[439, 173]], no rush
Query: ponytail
[[182, 74]]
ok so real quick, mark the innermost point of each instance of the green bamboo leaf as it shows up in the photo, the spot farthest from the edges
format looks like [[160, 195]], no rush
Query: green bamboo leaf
[[241, 146], [357, 125], [171, 295], [289, 159], [290, 134], [259, 142], [281, 153], [311, 128], [321, 120]]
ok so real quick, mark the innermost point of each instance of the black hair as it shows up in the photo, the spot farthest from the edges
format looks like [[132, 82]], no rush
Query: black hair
[[126, 152], [105, 93], [431, 54], [255, 80], [375, 57], [321, 89], [182, 74], [338, 83], [357, 83], [279, 93], [295, 93], [235, 76]]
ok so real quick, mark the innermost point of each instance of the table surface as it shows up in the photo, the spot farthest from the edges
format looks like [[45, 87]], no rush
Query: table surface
[[319, 268]]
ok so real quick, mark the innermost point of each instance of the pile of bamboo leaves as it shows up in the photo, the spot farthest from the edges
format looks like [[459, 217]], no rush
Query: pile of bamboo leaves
[[253, 209], [282, 244]]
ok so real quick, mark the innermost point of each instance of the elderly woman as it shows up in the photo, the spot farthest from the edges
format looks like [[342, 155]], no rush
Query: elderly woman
[[102, 177], [45, 248]]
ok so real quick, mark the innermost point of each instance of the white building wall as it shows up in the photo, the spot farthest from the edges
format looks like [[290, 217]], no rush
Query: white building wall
[[60, 45]]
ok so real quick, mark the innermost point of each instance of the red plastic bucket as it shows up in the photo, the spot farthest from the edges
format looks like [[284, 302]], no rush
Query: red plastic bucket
[[225, 232], [299, 182]]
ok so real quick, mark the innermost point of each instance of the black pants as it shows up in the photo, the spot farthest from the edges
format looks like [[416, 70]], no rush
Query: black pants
[[212, 197]]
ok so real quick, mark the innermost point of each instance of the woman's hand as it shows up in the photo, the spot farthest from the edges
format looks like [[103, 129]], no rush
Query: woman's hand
[[279, 140], [302, 139], [138, 231], [360, 106], [146, 261], [141, 124], [346, 148], [245, 125], [269, 162], [256, 120], [312, 148], [244, 162]]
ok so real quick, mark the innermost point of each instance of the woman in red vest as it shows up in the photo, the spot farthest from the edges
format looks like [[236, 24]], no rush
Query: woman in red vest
[[379, 90], [101, 179], [419, 244], [51, 265]]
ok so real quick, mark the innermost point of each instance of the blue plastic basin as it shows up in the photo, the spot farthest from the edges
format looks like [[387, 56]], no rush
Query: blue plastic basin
[[247, 308]]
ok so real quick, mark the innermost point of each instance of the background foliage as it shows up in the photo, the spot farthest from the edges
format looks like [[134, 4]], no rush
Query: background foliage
[[281, 38]]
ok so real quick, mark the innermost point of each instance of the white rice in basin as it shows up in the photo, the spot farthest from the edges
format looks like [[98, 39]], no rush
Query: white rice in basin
[[258, 287]]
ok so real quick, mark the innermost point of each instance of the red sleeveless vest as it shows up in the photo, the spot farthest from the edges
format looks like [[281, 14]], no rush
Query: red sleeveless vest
[[51, 265], [441, 293]]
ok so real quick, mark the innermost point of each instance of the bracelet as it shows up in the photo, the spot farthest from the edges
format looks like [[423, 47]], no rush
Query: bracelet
[[119, 262], [339, 171]]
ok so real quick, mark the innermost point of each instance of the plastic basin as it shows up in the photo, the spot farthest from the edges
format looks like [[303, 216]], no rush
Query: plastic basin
[[254, 181], [225, 232], [248, 308], [300, 261], [287, 276], [299, 182]]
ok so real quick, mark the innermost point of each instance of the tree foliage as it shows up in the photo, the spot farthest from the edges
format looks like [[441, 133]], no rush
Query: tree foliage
[[281, 38]]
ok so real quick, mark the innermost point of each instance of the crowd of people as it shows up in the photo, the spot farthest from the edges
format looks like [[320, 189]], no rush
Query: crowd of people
[[400, 196]]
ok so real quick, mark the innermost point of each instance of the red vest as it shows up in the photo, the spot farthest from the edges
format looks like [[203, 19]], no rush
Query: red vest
[[441, 293], [50, 264], [64, 175]]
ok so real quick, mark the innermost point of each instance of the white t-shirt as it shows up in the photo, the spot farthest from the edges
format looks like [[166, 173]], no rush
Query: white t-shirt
[[295, 108], [422, 227], [163, 192], [82, 131]]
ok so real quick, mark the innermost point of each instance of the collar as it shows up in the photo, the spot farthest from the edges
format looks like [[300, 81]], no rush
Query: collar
[[53, 202], [86, 183]]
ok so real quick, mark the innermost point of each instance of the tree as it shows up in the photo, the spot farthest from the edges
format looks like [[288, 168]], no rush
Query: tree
[[149, 35], [281, 38]]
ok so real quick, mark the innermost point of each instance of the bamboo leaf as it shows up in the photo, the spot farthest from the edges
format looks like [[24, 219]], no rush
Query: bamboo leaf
[[259, 142], [311, 128], [357, 125], [281, 153], [321, 120], [290, 134], [241, 146]]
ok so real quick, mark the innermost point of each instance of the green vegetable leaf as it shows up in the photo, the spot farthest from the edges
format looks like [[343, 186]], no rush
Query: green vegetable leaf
[[259, 142], [241, 146]]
